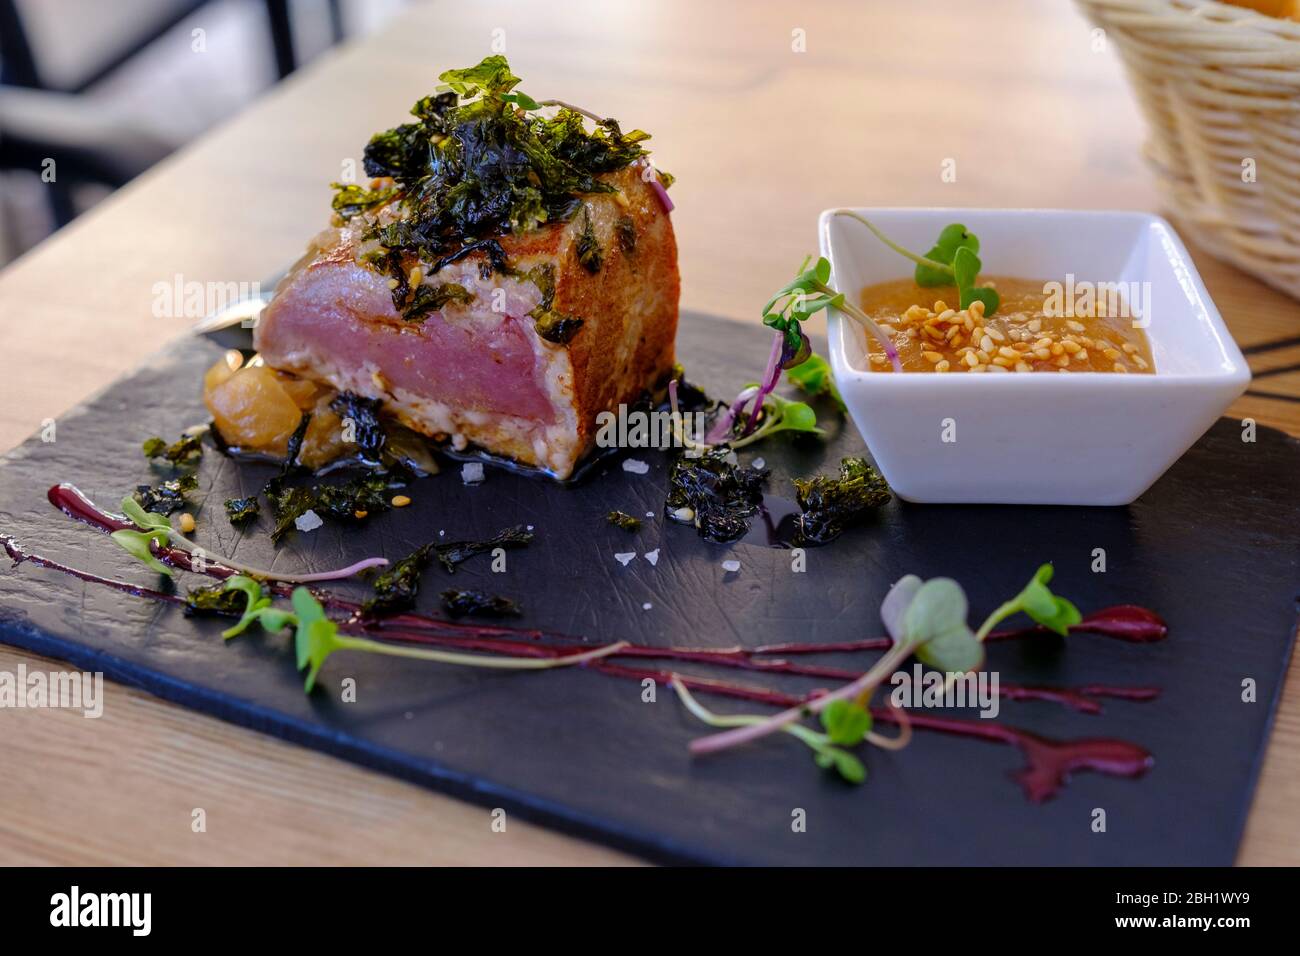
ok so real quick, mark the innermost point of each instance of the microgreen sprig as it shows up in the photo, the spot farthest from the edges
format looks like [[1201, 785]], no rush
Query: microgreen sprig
[[845, 725], [156, 530], [953, 260], [1037, 601], [316, 637], [924, 618]]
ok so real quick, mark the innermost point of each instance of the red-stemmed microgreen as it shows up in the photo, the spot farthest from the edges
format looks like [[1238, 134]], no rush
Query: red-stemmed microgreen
[[923, 618], [317, 637], [156, 531]]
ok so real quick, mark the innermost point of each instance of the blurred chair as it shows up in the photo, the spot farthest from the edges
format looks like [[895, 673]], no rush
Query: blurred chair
[[47, 66]]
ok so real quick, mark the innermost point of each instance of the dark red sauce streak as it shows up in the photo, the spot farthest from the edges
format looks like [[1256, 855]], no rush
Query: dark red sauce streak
[[1049, 763]]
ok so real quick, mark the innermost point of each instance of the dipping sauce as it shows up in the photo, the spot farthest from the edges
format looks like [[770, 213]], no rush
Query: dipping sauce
[[932, 335]]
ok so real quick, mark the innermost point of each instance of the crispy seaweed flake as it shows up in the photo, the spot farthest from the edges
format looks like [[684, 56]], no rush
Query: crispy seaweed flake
[[457, 552], [350, 502], [480, 162], [396, 587], [167, 497], [186, 450], [243, 510], [363, 413], [832, 504], [622, 519], [714, 494], [478, 603], [215, 600]]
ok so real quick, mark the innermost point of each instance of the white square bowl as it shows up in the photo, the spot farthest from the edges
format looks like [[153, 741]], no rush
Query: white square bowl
[[1077, 438]]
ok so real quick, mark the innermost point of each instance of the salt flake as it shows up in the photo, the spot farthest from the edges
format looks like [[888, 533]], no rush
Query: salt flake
[[471, 473], [308, 521], [625, 557], [636, 466], [731, 567], [652, 557]]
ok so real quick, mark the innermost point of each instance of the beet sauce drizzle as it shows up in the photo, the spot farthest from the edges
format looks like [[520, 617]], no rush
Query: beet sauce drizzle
[[1049, 763]]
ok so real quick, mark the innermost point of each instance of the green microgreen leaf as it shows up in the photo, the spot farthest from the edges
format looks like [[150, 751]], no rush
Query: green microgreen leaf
[[951, 239], [966, 267], [813, 376], [846, 764], [257, 609], [316, 637], [1053, 612], [930, 617], [136, 544], [846, 722], [144, 519]]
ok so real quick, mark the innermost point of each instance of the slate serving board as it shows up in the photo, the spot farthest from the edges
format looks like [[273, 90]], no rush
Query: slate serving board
[[1212, 547]]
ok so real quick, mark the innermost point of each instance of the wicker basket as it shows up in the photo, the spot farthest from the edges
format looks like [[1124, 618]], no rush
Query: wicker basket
[[1219, 86]]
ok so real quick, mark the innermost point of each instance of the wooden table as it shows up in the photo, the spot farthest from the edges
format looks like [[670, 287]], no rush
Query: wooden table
[[761, 138]]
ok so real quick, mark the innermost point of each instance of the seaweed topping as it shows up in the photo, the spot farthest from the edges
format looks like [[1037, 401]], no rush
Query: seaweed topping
[[832, 504], [396, 588], [457, 552], [352, 200], [715, 494], [478, 603], [590, 255], [557, 328], [242, 510], [350, 502], [168, 497], [368, 433], [186, 450], [625, 230], [624, 520], [551, 325], [429, 298], [214, 600], [480, 162]]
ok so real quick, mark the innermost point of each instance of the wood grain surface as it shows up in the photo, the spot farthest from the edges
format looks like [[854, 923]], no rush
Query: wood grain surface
[[761, 138]]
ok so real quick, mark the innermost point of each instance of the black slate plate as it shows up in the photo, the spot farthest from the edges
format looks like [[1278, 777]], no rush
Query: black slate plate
[[1212, 547]]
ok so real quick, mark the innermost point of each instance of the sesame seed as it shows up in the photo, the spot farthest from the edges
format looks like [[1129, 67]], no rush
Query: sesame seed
[[943, 366], [986, 343], [187, 523], [997, 334], [400, 501], [931, 357], [1024, 367], [1074, 326]]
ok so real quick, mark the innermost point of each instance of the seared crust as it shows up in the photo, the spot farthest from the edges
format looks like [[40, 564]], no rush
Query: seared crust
[[629, 308]]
